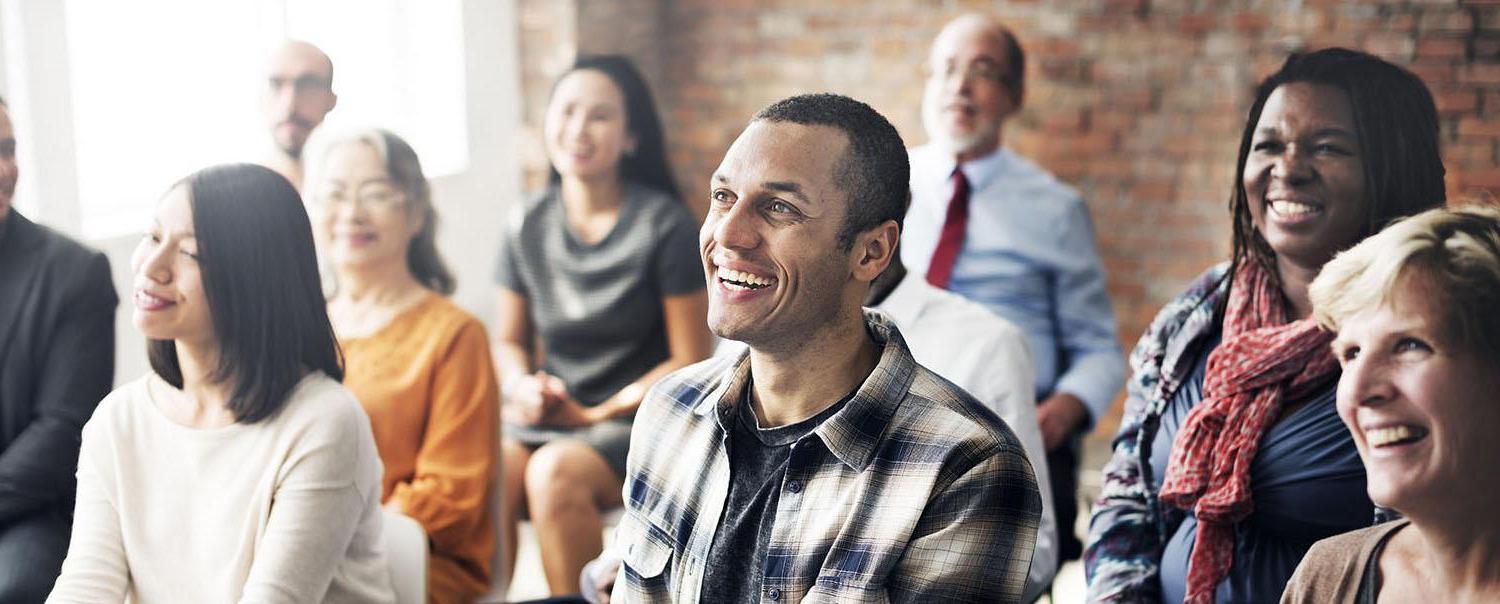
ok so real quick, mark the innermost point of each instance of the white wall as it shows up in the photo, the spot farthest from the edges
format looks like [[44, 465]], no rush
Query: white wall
[[470, 204]]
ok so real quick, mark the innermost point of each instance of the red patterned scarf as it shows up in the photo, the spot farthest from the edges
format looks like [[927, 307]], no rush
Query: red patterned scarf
[[1261, 361]]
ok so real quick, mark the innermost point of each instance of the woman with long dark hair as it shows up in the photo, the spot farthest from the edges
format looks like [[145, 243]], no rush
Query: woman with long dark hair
[[419, 364], [1231, 459], [601, 273], [238, 469]]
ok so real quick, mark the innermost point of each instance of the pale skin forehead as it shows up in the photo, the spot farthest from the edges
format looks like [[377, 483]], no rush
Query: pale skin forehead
[[969, 29], [296, 57]]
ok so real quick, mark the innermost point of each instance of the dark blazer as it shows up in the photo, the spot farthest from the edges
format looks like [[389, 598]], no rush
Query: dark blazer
[[57, 356]]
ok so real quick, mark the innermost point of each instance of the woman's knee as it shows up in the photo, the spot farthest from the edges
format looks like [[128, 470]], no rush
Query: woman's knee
[[562, 473]]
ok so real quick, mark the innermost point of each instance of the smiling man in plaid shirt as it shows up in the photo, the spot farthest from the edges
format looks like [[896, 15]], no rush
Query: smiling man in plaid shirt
[[823, 464]]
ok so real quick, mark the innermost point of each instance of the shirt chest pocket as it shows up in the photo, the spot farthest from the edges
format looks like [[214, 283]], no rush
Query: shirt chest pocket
[[648, 557]]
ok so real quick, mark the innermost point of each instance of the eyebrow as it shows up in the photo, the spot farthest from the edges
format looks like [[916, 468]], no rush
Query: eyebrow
[[185, 234], [1321, 132], [789, 187], [778, 186]]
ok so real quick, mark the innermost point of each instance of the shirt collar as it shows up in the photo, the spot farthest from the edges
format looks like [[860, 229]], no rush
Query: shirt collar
[[853, 433], [979, 172], [905, 302], [982, 170]]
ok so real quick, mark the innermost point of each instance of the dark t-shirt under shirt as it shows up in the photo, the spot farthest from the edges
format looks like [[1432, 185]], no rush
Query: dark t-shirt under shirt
[[757, 468]]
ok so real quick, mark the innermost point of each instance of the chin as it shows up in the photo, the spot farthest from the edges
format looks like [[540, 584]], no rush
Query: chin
[[728, 331], [1396, 494], [152, 332]]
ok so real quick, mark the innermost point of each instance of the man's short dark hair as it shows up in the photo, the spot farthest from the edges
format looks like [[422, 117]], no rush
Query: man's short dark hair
[[1014, 77], [874, 171]]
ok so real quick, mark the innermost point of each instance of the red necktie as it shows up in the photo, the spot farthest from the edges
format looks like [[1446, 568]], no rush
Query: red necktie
[[952, 239]]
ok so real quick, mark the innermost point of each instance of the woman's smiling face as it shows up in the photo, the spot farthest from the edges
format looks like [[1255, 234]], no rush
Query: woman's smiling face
[[1304, 177], [1423, 411]]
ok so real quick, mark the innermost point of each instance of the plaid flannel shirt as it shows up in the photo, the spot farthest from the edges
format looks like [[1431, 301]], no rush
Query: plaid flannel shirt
[[913, 492]]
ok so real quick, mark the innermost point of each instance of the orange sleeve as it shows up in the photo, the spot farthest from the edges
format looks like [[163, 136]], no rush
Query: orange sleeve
[[456, 460]]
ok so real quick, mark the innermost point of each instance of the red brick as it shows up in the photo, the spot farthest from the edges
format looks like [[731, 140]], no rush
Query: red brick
[[1248, 22], [1487, 47], [1434, 74], [1119, 7], [1466, 154], [1449, 21], [1473, 126], [1488, 73], [1456, 101], [1442, 48], [1151, 191], [1390, 45], [1488, 178], [1066, 120], [1197, 24]]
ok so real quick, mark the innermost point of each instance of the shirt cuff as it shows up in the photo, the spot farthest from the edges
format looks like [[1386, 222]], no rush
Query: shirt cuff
[[1095, 381]]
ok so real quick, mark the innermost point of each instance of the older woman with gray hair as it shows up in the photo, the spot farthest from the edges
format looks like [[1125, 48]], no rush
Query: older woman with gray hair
[[1419, 341], [418, 362]]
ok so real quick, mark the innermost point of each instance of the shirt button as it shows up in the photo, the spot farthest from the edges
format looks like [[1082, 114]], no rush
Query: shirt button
[[794, 486], [773, 593]]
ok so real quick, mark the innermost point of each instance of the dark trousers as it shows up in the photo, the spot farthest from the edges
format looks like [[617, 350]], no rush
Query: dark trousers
[[32, 549], [1062, 470]]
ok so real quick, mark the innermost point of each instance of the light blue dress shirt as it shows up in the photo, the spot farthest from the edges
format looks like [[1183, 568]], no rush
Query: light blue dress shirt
[[1029, 256]]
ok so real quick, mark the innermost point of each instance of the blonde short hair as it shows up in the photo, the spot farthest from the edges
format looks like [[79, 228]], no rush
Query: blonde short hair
[[1456, 254]]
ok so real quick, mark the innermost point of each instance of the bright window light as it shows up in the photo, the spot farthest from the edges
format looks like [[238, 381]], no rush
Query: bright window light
[[165, 87]]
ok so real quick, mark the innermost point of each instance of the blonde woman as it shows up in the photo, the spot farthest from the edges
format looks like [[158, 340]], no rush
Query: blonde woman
[[1419, 340]]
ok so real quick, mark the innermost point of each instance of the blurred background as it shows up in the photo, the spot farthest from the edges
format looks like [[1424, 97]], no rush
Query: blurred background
[[1137, 103]]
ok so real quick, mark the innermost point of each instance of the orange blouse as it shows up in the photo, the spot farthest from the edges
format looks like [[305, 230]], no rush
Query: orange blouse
[[428, 385]]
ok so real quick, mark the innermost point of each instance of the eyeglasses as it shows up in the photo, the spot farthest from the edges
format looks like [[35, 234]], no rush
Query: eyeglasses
[[301, 84], [983, 70], [376, 195]]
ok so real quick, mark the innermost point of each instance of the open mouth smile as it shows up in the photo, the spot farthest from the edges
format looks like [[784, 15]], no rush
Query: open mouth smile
[[1392, 436], [743, 281]]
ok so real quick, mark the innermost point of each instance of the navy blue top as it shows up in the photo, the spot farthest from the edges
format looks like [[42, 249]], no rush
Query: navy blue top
[[1307, 483]]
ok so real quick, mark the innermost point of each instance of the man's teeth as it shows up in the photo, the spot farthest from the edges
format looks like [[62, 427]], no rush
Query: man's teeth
[[1381, 437], [1292, 208], [743, 280]]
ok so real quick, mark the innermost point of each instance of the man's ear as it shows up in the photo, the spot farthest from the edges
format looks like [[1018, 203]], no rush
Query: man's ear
[[874, 250]]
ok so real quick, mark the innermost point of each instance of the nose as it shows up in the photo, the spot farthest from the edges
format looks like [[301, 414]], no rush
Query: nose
[[736, 228], [1365, 383], [156, 266], [956, 81], [285, 98], [574, 127], [1293, 165], [352, 210]]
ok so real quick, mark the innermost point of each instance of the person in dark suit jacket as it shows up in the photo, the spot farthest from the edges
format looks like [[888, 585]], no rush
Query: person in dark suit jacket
[[57, 343]]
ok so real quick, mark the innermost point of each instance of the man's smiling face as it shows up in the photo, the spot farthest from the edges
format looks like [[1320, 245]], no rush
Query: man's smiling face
[[769, 244]]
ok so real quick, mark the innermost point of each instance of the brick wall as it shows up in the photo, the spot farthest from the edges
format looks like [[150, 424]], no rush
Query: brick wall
[[1138, 103]]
